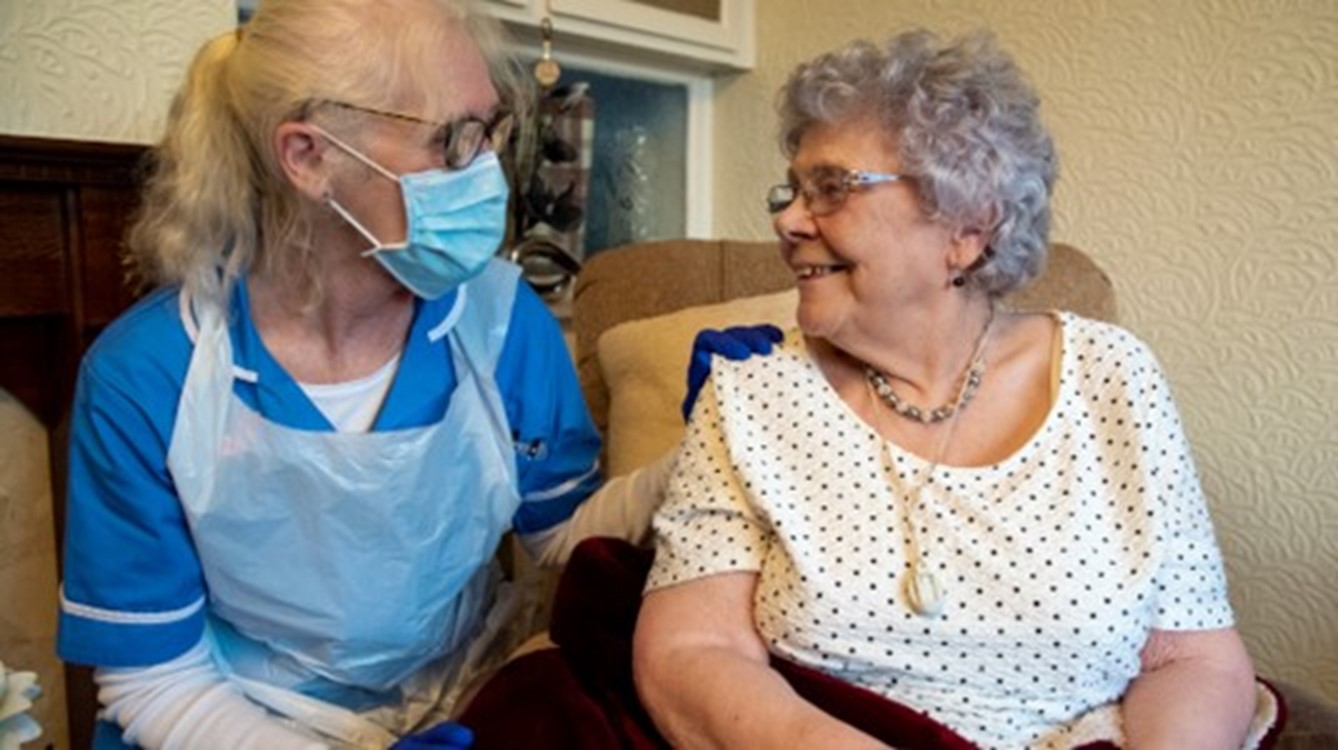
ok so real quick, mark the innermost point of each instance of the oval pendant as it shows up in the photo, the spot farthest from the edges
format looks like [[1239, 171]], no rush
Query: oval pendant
[[924, 593]]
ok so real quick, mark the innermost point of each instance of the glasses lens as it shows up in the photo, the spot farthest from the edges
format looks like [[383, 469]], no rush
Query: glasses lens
[[779, 198], [466, 138], [500, 131], [826, 192]]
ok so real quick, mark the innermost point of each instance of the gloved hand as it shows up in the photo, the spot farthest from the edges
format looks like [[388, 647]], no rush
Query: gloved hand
[[739, 342], [447, 735]]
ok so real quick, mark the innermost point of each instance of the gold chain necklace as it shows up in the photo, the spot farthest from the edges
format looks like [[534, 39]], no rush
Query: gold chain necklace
[[924, 592]]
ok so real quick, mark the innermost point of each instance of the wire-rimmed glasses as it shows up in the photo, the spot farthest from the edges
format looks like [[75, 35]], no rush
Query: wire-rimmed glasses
[[825, 190], [460, 140]]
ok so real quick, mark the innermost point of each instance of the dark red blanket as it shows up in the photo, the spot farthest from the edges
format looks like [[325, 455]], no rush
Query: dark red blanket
[[581, 694]]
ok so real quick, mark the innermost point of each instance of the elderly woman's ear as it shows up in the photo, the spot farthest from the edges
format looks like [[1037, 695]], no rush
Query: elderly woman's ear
[[303, 156], [968, 249]]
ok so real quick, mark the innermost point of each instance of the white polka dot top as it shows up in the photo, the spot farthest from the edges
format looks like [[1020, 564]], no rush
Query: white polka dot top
[[1056, 562]]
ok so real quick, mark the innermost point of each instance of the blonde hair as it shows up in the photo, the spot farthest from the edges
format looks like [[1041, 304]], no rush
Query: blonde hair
[[216, 203]]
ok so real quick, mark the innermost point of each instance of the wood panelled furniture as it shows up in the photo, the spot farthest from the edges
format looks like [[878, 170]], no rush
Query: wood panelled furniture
[[63, 210]]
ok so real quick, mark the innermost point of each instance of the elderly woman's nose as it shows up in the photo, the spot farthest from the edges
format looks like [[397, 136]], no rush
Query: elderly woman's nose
[[794, 222]]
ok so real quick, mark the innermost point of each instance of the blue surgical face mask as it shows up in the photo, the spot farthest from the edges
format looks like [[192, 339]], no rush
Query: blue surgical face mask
[[455, 221]]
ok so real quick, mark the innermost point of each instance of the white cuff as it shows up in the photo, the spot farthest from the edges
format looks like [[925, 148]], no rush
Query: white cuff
[[621, 508], [187, 703]]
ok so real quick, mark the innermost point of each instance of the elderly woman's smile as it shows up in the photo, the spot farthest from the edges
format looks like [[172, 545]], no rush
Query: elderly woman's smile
[[809, 272]]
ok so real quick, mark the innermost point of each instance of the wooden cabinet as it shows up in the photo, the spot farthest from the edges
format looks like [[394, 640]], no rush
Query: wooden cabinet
[[703, 35], [63, 209]]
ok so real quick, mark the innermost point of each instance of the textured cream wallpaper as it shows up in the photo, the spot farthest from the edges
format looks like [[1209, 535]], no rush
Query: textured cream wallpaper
[[1199, 147], [98, 69]]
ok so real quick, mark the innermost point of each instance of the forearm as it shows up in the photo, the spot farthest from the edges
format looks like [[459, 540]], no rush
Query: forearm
[[714, 698], [1189, 704], [188, 703]]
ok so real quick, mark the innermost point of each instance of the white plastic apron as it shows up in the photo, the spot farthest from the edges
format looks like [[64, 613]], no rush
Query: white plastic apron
[[352, 560]]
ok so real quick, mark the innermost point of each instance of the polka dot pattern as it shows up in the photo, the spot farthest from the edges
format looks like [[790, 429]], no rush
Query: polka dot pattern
[[1056, 562]]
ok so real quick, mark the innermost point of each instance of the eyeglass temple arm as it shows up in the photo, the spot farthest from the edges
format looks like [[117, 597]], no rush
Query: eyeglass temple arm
[[873, 178]]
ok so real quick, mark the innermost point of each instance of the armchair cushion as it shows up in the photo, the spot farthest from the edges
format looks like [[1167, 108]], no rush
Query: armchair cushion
[[645, 364]]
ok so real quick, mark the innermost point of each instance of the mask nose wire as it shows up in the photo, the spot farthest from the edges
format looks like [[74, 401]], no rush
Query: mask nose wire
[[334, 204]]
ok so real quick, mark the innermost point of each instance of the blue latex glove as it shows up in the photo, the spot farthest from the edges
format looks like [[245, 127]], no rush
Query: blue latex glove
[[739, 342], [447, 735]]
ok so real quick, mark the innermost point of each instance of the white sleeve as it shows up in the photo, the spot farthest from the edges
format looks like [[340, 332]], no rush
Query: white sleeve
[[187, 702], [621, 508]]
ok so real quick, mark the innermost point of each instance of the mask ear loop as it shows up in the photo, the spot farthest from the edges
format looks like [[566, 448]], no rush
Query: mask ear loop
[[389, 175], [334, 204], [343, 212]]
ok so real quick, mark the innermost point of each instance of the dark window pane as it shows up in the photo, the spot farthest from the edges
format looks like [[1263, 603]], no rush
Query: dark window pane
[[708, 9]]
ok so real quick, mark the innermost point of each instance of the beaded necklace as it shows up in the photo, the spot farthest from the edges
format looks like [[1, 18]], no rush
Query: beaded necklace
[[965, 392]]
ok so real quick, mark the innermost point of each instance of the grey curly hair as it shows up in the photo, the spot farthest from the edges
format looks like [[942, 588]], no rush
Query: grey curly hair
[[967, 125]]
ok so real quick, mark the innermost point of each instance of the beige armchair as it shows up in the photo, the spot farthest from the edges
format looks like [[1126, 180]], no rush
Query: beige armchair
[[651, 298], [657, 278]]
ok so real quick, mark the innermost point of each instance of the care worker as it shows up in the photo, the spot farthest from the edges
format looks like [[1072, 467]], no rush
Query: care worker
[[292, 463]]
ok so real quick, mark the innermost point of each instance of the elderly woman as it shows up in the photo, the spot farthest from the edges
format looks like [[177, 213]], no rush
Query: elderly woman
[[292, 463], [991, 518]]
